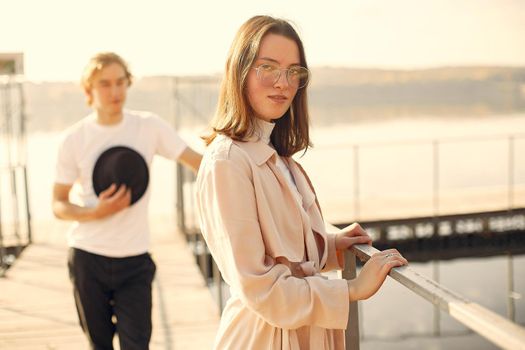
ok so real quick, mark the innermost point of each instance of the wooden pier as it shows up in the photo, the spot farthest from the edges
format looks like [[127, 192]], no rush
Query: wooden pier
[[37, 310]]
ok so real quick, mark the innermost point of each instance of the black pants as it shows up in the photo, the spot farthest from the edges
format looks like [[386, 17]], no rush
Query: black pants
[[113, 295]]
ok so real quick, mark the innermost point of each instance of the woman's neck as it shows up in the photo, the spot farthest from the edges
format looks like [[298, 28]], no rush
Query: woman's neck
[[263, 129]]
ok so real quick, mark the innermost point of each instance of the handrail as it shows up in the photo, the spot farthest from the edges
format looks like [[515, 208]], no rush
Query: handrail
[[495, 328]]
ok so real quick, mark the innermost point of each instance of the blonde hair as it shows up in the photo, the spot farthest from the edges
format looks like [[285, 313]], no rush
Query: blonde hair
[[234, 116], [96, 64]]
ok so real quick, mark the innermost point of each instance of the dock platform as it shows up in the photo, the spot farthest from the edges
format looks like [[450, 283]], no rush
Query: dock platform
[[37, 309]]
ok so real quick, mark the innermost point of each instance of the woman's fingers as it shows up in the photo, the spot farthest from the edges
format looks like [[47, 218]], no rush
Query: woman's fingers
[[354, 230], [353, 234], [346, 242], [392, 258], [357, 240]]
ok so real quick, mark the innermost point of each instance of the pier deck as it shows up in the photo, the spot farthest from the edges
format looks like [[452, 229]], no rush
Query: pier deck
[[37, 310]]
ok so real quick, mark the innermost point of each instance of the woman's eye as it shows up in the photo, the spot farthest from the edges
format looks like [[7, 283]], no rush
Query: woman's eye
[[267, 67], [294, 71]]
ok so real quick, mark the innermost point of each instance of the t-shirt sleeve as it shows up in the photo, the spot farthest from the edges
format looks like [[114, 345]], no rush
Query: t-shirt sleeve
[[169, 144], [66, 172]]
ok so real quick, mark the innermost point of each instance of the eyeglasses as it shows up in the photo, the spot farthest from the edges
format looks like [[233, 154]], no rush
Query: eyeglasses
[[296, 76]]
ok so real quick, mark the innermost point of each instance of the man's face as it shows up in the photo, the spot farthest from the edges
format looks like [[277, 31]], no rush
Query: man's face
[[108, 89]]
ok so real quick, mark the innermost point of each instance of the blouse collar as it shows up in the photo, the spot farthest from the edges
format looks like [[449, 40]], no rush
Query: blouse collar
[[263, 129]]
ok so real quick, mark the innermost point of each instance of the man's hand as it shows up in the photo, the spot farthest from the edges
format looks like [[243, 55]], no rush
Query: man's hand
[[112, 200]]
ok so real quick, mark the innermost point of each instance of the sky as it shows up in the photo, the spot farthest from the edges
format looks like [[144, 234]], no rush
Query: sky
[[171, 37]]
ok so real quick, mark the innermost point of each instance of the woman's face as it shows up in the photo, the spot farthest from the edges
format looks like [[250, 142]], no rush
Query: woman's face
[[269, 99]]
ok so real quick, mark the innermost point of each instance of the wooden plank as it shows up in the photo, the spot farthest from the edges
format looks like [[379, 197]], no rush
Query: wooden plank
[[37, 308]]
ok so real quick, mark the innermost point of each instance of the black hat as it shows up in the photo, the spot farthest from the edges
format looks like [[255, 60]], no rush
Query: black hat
[[121, 165]]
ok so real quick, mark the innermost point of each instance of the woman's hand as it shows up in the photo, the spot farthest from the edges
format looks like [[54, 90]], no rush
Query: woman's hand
[[350, 235], [373, 274]]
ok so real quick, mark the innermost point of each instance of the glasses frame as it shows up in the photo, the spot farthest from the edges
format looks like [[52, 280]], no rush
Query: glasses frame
[[280, 70]]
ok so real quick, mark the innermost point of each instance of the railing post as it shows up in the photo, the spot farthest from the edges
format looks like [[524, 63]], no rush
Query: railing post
[[2, 248], [356, 182], [510, 289], [510, 264], [28, 213], [202, 250], [23, 121], [179, 171], [436, 320], [352, 327], [511, 173], [179, 205], [437, 311]]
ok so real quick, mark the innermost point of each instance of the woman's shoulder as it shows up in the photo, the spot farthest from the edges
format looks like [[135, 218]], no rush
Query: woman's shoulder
[[225, 148], [224, 156]]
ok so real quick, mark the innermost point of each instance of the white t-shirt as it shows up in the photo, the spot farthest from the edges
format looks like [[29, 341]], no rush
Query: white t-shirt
[[125, 233]]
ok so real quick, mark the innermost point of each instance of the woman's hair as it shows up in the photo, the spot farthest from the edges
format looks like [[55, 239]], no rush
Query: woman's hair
[[96, 64], [234, 116]]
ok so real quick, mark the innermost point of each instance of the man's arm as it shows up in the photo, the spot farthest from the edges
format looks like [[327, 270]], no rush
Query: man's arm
[[111, 201], [191, 159]]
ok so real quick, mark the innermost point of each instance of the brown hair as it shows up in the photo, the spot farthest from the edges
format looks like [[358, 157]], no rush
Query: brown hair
[[234, 115], [96, 64]]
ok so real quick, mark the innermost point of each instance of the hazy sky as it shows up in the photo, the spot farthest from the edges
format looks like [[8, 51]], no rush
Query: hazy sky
[[161, 37]]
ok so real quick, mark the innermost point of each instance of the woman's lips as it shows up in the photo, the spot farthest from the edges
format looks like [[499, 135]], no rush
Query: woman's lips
[[278, 98]]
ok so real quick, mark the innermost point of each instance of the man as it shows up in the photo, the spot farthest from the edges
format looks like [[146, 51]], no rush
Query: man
[[109, 264]]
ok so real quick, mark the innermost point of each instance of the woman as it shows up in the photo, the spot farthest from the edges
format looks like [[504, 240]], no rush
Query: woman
[[258, 210]]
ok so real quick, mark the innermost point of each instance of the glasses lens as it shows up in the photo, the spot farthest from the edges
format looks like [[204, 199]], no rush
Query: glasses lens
[[268, 74], [298, 76]]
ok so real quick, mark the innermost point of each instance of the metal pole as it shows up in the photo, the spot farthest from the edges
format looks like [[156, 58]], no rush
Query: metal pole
[[24, 160], [511, 173], [28, 212], [352, 327], [2, 248], [13, 164], [437, 311], [179, 171], [202, 250], [510, 289], [356, 183], [435, 264], [510, 262], [180, 198], [435, 182]]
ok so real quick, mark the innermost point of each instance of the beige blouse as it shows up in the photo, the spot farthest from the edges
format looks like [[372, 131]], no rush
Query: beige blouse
[[270, 250]]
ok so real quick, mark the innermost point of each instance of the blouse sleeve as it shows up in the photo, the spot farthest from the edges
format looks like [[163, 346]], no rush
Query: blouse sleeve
[[335, 259], [229, 221]]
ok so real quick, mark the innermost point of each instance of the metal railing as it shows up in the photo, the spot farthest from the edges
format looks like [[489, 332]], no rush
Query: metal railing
[[15, 228], [433, 150], [495, 328]]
